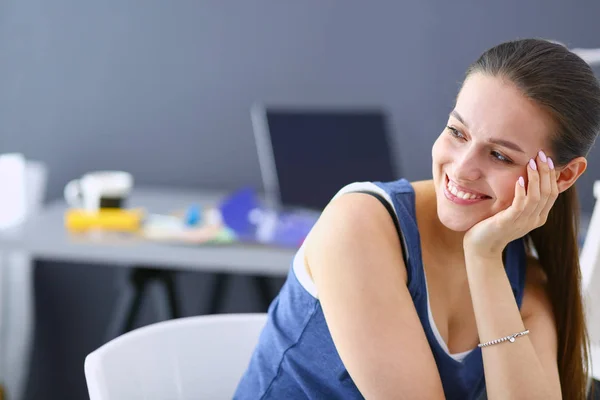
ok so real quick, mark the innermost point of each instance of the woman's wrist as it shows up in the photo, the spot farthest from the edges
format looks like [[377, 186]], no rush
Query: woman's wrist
[[482, 257], [483, 252]]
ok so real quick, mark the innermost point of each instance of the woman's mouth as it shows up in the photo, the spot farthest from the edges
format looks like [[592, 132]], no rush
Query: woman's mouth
[[460, 195]]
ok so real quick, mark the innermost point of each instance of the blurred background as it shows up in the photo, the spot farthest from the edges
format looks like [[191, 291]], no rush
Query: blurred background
[[163, 90]]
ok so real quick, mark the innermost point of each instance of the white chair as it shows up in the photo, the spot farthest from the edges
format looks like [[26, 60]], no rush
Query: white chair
[[590, 271], [200, 357], [590, 254]]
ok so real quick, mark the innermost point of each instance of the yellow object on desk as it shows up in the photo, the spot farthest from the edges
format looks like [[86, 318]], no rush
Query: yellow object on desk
[[110, 219]]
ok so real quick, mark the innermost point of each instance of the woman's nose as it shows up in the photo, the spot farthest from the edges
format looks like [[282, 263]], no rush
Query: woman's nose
[[466, 166]]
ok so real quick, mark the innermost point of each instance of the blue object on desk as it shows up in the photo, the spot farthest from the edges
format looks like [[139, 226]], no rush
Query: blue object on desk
[[193, 215], [291, 228], [236, 210], [243, 214]]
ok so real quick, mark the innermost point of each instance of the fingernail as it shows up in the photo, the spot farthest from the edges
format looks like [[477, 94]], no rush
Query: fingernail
[[532, 165], [521, 181], [550, 163], [542, 156]]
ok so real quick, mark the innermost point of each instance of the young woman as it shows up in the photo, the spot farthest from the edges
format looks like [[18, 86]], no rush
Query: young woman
[[473, 286]]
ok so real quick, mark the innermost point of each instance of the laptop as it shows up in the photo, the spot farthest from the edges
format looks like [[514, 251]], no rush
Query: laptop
[[307, 155]]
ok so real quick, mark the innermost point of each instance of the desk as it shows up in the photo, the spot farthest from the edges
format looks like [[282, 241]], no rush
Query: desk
[[44, 237]]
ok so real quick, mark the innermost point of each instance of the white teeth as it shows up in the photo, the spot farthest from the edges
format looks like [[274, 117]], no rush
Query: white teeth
[[460, 193]]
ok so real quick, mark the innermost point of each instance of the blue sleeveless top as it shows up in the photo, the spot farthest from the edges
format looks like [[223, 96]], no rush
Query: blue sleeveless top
[[296, 358]]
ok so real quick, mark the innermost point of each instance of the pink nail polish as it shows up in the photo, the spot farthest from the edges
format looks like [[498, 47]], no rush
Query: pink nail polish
[[542, 156], [521, 181], [532, 165], [550, 163]]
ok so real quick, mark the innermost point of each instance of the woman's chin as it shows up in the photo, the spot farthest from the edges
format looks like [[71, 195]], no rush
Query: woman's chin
[[456, 223]]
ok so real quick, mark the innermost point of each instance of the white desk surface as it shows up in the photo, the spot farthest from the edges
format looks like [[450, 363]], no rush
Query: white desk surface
[[44, 236]]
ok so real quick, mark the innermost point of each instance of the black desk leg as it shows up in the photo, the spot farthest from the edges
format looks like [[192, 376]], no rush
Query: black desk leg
[[130, 299], [217, 297], [168, 279], [264, 291], [126, 308]]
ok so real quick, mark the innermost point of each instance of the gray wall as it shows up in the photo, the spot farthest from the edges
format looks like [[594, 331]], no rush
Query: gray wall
[[163, 88]]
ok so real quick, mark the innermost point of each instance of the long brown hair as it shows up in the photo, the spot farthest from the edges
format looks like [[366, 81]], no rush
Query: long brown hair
[[565, 86]]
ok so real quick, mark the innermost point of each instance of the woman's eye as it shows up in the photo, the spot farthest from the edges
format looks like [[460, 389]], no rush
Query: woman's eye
[[455, 133], [500, 157]]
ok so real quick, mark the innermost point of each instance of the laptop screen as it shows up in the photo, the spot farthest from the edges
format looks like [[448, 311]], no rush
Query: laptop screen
[[316, 153]]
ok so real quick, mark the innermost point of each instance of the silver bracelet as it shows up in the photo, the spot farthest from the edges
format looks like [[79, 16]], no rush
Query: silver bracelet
[[510, 338]]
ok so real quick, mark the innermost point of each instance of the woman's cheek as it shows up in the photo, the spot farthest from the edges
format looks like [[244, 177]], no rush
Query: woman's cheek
[[435, 149], [440, 149], [507, 192]]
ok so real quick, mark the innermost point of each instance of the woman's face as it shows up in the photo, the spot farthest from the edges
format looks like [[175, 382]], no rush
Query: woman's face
[[491, 135]]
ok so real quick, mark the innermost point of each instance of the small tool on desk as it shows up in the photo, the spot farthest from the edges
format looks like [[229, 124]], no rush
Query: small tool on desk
[[108, 219], [193, 215]]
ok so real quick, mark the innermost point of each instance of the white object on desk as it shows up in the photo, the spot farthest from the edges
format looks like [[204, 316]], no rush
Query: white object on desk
[[36, 176], [23, 188], [200, 357], [87, 191], [12, 198]]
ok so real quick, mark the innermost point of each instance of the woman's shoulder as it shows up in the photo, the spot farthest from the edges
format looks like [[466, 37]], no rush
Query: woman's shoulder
[[368, 211], [356, 210], [354, 222], [353, 225]]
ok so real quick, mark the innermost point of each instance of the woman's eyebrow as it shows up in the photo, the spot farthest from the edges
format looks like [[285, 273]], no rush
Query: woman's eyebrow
[[460, 119], [507, 144], [500, 142]]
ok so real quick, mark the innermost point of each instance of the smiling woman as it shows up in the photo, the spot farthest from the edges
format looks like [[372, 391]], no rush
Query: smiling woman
[[445, 298], [491, 133]]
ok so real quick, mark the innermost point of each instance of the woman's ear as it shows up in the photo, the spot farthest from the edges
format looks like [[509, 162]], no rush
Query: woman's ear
[[568, 174]]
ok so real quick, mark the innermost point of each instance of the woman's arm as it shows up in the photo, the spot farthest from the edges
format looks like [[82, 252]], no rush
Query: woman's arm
[[527, 368], [354, 256]]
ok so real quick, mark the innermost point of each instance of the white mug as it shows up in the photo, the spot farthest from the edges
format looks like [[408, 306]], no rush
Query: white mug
[[101, 189], [13, 206]]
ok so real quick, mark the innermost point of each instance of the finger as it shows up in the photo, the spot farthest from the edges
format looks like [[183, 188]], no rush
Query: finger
[[518, 203], [512, 213], [553, 189], [533, 188], [545, 188]]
